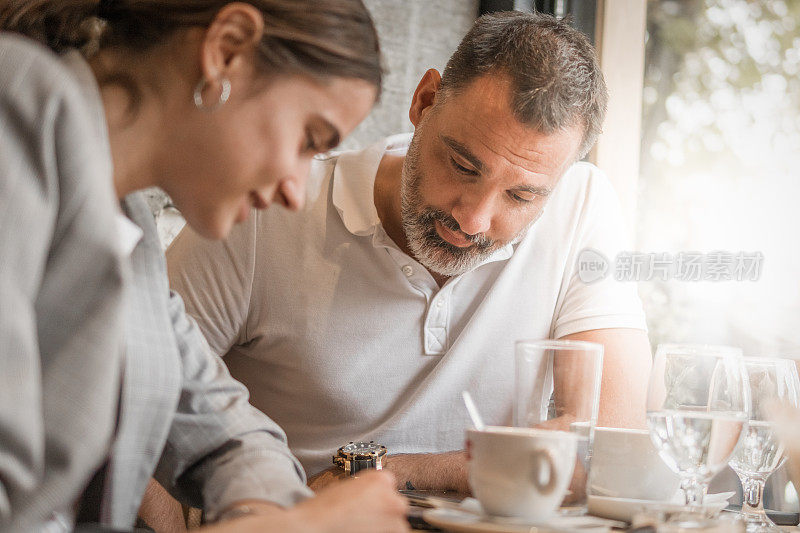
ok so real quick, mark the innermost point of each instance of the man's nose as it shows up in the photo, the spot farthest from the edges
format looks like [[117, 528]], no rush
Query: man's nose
[[474, 213]]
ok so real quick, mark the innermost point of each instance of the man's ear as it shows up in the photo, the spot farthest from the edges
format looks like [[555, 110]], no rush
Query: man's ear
[[231, 40], [425, 95]]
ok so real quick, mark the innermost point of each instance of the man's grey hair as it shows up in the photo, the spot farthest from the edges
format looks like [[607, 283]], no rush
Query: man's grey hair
[[556, 81]]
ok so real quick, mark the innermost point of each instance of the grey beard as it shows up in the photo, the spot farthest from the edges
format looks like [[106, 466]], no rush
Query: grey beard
[[438, 255], [433, 252]]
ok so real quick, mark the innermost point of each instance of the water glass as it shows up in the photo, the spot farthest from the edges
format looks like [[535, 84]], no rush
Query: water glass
[[773, 382], [557, 386], [698, 404]]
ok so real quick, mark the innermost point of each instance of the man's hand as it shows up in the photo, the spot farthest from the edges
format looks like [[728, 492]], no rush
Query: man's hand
[[327, 477]]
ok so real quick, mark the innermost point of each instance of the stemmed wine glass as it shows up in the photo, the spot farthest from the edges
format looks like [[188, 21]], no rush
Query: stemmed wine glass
[[698, 403], [773, 382]]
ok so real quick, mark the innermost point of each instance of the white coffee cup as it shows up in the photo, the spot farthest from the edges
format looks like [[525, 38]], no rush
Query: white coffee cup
[[626, 464], [520, 472]]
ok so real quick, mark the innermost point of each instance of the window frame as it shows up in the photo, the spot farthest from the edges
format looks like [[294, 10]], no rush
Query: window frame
[[620, 44]]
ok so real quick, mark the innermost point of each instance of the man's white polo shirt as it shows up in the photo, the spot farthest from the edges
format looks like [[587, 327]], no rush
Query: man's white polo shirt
[[341, 337]]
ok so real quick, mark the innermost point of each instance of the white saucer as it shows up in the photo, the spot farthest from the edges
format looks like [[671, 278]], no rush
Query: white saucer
[[459, 521], [625, 509]]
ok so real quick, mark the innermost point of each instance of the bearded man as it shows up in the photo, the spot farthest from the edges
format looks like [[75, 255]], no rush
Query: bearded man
[[420, 260]]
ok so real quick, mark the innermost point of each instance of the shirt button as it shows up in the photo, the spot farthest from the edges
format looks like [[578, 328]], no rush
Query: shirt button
[[439, 303], [408, 271]]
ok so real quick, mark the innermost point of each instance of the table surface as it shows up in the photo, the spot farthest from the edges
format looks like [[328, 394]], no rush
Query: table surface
[[418, 496]]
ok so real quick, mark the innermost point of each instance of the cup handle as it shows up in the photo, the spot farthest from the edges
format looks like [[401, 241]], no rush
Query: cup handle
[[543, 459]]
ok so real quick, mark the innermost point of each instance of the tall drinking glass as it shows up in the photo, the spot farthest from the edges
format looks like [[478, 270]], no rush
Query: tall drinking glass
[[698, 403], [557, 386], [772, 382]]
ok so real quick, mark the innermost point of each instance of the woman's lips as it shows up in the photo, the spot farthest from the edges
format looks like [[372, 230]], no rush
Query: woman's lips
[[252, 201], [455, 238], [258, 201]]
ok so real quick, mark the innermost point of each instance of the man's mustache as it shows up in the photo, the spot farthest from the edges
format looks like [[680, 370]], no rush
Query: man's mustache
[[430, 215]]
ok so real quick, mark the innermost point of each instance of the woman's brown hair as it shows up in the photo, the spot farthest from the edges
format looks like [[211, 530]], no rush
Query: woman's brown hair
[[318, 38]]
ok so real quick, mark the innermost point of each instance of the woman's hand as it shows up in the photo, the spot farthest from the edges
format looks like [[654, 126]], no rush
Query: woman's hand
[[369, 503]]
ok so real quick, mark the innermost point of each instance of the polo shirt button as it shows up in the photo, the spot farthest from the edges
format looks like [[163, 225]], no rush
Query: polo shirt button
[[439, 303], [408, 271]]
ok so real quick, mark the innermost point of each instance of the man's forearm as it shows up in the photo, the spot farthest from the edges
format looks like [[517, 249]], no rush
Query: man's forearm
[[626, 370], [430, 471]]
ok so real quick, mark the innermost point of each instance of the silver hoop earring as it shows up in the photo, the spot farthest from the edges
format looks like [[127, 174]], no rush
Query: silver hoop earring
[[223, 96]]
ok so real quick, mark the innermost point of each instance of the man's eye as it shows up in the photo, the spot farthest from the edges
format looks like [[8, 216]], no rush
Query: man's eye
[[520, 199], [461, 168]]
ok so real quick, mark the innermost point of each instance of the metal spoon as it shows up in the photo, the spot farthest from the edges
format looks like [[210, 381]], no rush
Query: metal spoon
[[477, 421]]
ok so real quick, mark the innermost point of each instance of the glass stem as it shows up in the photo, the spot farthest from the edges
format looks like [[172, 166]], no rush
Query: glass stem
[[753, 489], [693, 492]]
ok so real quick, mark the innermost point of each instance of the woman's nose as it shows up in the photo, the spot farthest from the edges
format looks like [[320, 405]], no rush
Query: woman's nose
[[291, 193]]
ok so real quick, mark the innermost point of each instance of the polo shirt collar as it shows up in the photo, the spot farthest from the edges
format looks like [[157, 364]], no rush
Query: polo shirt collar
[[129, 234], [354, 183]]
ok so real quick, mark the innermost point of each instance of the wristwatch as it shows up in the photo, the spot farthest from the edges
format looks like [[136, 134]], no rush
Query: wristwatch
[[357, 456]]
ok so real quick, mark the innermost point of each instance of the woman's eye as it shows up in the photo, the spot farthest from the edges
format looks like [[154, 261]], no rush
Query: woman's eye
[[462, 168], [310, 144]]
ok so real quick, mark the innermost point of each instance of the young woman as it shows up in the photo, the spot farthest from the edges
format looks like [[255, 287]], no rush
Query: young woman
[[222, 104]]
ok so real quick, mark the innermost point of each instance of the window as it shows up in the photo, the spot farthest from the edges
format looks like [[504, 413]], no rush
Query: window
[[719, 172]]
